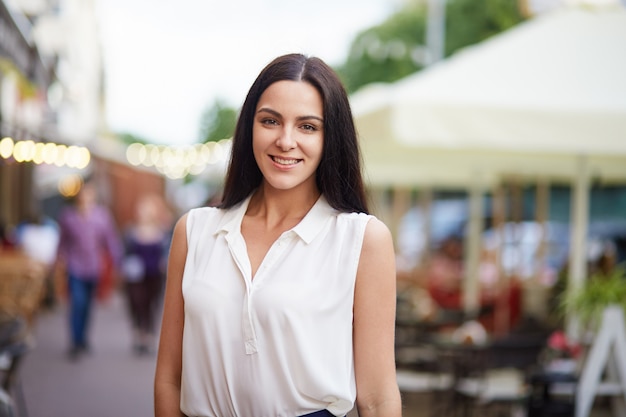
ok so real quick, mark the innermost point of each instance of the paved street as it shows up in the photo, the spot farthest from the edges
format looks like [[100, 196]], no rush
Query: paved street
[[111, 381]]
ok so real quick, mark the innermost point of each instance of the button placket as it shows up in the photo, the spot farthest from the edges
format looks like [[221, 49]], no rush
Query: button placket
[[274, 253], [248, 328], [238, 251]]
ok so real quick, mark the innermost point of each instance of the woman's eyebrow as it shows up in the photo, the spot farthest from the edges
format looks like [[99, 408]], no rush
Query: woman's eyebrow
[[268, 110], [277, 114], [300, 118]]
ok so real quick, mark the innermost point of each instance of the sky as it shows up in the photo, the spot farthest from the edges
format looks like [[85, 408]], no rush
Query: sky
[[167, 61]]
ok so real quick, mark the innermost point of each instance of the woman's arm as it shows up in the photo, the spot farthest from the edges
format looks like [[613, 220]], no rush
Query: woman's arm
[[374, 325], [169, 359]]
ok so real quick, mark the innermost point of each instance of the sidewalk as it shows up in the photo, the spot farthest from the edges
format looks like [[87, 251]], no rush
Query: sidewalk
[[110, 381]]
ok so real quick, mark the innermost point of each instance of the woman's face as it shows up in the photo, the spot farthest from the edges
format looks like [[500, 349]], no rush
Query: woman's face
[[288, 134]]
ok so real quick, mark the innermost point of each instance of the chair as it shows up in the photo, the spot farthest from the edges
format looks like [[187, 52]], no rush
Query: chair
[[495, 387], [22, 287], [13, 347], [22, 284], [502, 380]]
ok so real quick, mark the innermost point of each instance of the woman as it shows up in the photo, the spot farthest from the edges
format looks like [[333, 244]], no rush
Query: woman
[[143, 268], [282, 301]]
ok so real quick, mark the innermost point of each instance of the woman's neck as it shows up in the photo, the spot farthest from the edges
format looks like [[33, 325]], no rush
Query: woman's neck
[[280, 207]]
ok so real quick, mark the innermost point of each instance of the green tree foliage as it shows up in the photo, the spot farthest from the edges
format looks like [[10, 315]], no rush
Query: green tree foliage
[[218, 122], [471, 21], [396, 48], [387, 52]]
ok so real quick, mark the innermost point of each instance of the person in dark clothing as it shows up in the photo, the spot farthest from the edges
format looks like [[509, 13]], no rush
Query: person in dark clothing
[[146, 247]]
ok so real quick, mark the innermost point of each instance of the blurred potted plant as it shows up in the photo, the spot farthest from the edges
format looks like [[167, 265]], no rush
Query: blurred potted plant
[[599, 291], [588, 304]]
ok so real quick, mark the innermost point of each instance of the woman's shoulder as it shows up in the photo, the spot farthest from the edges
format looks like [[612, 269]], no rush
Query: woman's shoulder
[[362, 219], [371, 228], [377, 232], [204, 211], [201, 217]]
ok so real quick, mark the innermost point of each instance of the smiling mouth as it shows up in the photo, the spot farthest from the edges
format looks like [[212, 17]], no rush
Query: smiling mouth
[[283, 161]]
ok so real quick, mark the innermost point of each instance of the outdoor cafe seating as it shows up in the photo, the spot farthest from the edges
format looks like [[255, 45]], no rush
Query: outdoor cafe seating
[[464, 369], [22, 287]]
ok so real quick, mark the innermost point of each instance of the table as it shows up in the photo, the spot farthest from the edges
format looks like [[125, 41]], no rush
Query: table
[[462, 361], [545, 399]]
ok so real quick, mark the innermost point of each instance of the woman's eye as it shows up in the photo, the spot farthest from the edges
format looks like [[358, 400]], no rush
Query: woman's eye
[[270, 122], [309, 127]]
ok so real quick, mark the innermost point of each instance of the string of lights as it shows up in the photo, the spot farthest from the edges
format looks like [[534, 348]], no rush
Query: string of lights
[[44, 153]]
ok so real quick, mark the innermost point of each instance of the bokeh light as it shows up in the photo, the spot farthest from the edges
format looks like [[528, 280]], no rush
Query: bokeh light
[[70, 185], [178, 162], [45, 153], [6, 147]]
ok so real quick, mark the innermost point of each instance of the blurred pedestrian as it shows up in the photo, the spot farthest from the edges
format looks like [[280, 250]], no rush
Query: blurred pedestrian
[[38, 237], [445, 274], [146, 245], [281, 302], [87, 234]]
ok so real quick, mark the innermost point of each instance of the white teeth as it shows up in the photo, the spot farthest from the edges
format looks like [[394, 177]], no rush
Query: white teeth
[[285, 161]]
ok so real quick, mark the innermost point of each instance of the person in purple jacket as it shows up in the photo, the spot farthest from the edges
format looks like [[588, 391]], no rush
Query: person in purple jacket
[[87, 234], [143, 268]]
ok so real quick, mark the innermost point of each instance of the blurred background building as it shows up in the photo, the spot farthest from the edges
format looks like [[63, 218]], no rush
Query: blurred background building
[[53, 127]]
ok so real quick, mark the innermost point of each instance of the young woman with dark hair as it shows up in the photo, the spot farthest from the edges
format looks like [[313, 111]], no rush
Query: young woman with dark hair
[[338, 176], [281, 302]]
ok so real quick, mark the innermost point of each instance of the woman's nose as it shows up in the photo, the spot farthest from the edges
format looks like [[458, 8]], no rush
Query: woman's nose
[[286, 141]]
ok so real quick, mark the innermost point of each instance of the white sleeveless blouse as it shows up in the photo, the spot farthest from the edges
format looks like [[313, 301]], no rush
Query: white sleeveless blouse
[[279, 345]]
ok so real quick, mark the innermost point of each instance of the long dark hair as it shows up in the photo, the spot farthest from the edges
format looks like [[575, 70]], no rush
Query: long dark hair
[[338, 175]]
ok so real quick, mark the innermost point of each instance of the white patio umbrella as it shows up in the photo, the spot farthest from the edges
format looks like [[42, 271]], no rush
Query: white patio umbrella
[[543, 100]]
